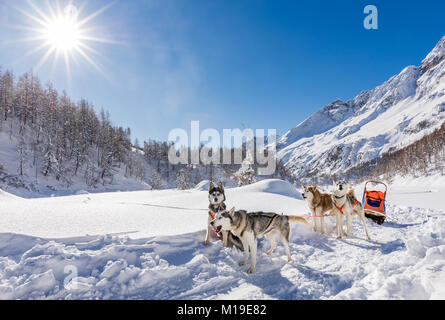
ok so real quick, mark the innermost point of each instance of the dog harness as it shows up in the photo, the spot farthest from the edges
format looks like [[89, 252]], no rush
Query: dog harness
[[270, 222], [265, 230], [213, 215], [341, 208]]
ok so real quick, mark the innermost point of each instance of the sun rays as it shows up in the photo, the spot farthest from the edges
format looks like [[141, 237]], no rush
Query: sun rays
[[62, 32]]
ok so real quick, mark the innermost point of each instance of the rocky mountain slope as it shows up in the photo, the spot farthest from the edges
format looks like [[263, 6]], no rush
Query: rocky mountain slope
[[397, 113]]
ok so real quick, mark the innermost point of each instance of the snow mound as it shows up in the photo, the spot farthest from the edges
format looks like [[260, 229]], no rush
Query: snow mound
[[276, 186], [203, 185], [7, 196]]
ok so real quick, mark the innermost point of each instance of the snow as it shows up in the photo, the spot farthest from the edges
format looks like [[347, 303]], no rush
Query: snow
[[5, 196], [149, 245], [276, 186], [203, 185]]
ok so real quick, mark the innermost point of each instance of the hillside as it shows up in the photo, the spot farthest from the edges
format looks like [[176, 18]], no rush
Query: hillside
[[344, 135]]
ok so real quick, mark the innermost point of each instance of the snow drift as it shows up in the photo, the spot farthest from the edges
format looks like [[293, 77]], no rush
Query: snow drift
[[149, 245]]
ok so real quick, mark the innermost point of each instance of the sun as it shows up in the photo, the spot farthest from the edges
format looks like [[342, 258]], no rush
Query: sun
[[62, 32]]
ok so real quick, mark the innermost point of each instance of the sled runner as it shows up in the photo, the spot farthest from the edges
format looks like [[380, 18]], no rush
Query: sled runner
[[374, 202]]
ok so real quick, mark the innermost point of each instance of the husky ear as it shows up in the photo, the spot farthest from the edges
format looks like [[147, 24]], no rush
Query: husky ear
[[333, 183], [220, 185], [232, 211], [211, 186]]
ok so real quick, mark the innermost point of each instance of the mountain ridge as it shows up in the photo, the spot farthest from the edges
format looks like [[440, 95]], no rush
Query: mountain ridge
[[396, 113]]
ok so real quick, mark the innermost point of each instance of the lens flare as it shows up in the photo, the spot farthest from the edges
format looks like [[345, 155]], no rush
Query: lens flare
[[63, 33]]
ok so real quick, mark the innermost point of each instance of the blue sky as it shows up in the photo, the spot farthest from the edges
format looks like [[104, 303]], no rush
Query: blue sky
[[229, 64]]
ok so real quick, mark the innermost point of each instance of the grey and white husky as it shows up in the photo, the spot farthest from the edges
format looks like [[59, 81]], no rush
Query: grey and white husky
[[216, 205], [248, 227], [346, 204]]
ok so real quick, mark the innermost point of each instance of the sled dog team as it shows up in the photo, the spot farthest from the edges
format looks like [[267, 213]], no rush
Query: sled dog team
[[242, 229]]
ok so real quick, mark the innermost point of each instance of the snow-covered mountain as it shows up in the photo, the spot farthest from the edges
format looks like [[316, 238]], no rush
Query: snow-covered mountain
[[397, 113]]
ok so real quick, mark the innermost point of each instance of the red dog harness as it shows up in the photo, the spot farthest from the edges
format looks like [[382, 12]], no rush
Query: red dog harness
[[212, 214], [341, 208]]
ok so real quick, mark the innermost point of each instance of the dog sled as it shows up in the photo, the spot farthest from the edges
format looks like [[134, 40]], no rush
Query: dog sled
[[374, 201]]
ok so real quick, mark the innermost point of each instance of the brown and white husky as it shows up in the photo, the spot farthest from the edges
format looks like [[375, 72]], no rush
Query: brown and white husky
[[319, 204]]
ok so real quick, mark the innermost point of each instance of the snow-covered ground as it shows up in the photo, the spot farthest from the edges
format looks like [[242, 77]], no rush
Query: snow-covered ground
[[148, 245]]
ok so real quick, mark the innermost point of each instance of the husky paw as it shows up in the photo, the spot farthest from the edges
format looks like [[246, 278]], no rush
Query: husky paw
[[250, 270], [206, 243]]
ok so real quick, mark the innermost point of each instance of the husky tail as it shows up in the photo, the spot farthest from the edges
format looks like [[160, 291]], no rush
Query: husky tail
[[351, 193], [297, 219]]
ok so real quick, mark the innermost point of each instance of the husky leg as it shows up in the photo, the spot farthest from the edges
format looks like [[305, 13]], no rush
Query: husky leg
[[273, 243], [284, 237], [209, 230], [339, 218], [362, 217], [286, 246], [323, 229], [314, 213], [348, 224], [246, 252], [225, 235], [253, 243]]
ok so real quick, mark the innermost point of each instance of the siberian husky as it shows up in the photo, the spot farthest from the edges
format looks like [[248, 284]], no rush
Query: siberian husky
[[346, 204], [319, 203], [217, 205], [251, 226]]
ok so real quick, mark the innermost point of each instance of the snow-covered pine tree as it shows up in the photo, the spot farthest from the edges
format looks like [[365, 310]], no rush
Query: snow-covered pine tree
[[184, 179], [49, 160], [246, 173], [156, 179], [22, 150]]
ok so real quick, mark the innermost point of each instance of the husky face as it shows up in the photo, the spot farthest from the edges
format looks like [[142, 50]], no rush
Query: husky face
[[216, 194], [223, 220], [308, 193], [340, 187]]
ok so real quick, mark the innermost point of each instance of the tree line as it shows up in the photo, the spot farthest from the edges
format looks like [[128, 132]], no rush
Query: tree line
[[59, 138], [421, 158]]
